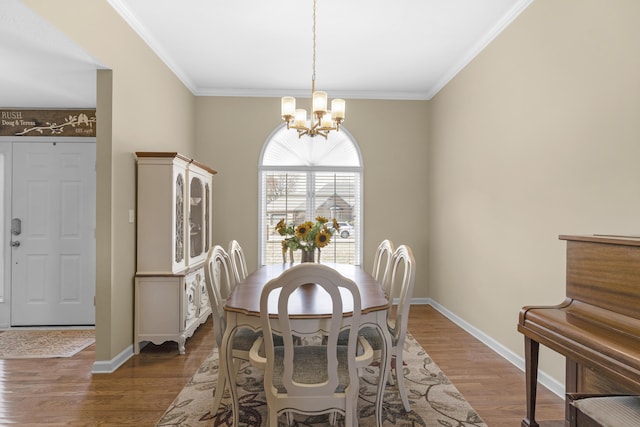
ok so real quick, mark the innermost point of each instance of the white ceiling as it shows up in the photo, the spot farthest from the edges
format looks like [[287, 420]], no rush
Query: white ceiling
[[380, 49]]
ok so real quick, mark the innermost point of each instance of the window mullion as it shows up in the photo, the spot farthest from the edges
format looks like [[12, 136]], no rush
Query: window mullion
[[311, 196]]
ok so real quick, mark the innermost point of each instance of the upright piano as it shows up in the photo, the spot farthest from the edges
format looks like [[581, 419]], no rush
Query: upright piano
[[597, 326]]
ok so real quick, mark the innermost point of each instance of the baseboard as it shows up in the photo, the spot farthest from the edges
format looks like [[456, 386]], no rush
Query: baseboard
[[544, 379], [108, 367]]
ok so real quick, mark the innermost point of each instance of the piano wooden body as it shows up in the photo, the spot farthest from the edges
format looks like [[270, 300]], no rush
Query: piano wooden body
[[597, 326]]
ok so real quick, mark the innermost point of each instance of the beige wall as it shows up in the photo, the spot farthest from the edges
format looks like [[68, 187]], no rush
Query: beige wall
[[392, 136], [538, 136], [151, 110]]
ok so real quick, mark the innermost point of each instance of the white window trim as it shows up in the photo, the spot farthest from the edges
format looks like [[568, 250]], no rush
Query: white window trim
[[310, 169]]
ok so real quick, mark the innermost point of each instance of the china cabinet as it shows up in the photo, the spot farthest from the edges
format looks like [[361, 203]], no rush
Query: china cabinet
[[173, 237]]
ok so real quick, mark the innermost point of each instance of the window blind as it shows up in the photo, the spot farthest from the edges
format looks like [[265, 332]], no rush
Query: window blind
[[302, 196]]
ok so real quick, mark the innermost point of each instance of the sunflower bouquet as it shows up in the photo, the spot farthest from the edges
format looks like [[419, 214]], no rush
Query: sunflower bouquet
[[306, 237]]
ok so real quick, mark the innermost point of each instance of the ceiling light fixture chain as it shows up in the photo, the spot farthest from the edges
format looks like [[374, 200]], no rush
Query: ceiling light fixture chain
[[313, 63], [322, 121]]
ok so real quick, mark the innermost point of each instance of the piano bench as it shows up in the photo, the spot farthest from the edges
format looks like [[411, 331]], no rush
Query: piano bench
[[603, 410]]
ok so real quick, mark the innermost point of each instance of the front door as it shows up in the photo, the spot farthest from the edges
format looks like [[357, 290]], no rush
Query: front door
[[53, 234]]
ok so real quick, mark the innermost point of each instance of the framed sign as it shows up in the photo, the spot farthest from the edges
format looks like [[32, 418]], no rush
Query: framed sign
[[16, 122]]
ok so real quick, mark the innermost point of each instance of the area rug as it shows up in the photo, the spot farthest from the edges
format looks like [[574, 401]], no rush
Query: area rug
[[435, 401], [39, 344]]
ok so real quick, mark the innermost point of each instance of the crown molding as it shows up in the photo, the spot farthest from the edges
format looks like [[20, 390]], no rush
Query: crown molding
[[506, 20], [153, 44]]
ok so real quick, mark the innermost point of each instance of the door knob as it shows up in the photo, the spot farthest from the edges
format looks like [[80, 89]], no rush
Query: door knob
[[15, 243]]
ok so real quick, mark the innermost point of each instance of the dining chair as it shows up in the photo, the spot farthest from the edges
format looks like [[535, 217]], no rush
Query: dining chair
[[317, 377], [238, 261], [382, 261], [218, 275], [400, 283], [224, 279]]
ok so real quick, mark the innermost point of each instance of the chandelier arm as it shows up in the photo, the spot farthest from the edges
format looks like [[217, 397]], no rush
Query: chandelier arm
[[325, 134]]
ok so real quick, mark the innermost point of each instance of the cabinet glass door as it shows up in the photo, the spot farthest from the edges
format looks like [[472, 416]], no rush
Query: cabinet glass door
[[196, 218]]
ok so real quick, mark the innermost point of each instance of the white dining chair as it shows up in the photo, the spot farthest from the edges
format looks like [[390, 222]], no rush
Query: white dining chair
[[400, 283], [224, 279], [218, 275], [318, 377], [382, 261], [238, 261]]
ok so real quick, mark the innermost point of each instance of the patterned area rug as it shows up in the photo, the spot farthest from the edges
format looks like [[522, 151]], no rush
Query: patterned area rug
[[29, 344], [434, 399]]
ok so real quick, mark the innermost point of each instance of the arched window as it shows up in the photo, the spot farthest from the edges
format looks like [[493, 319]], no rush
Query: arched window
[[302, 178]]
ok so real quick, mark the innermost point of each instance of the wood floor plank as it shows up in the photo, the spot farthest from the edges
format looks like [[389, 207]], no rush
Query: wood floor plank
[[64, 392]]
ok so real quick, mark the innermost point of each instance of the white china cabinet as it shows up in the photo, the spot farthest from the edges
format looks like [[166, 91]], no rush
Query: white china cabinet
[[173, 237]]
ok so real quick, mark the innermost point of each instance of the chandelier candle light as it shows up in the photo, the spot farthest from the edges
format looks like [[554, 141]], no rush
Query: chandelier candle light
[[322, 120]]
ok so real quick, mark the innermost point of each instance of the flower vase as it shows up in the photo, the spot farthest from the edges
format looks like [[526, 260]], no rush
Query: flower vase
[[308, 256]]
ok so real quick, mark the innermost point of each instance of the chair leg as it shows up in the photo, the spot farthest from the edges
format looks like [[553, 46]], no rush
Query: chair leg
[[217, 397], [333, 416], [273, 418], [400, 381], [220, 387], [289, 416], [348, 419], [355, 414], [390, 380]]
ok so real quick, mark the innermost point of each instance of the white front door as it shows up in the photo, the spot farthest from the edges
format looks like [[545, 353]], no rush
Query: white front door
[[53, 234]]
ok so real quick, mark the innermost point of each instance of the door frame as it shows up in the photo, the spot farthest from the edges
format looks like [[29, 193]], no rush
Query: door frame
[[6, 145]]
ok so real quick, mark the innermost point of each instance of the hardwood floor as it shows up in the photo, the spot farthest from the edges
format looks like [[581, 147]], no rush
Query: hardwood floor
[[64, 392], [492, 385]]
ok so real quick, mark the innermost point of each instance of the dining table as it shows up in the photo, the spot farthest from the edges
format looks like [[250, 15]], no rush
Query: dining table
[[242, 310]]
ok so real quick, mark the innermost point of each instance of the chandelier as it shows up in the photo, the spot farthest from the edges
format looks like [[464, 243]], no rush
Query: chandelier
[[322, 121]]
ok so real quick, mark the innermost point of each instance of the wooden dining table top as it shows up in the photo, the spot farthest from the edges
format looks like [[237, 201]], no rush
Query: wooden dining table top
[[309, 300]]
